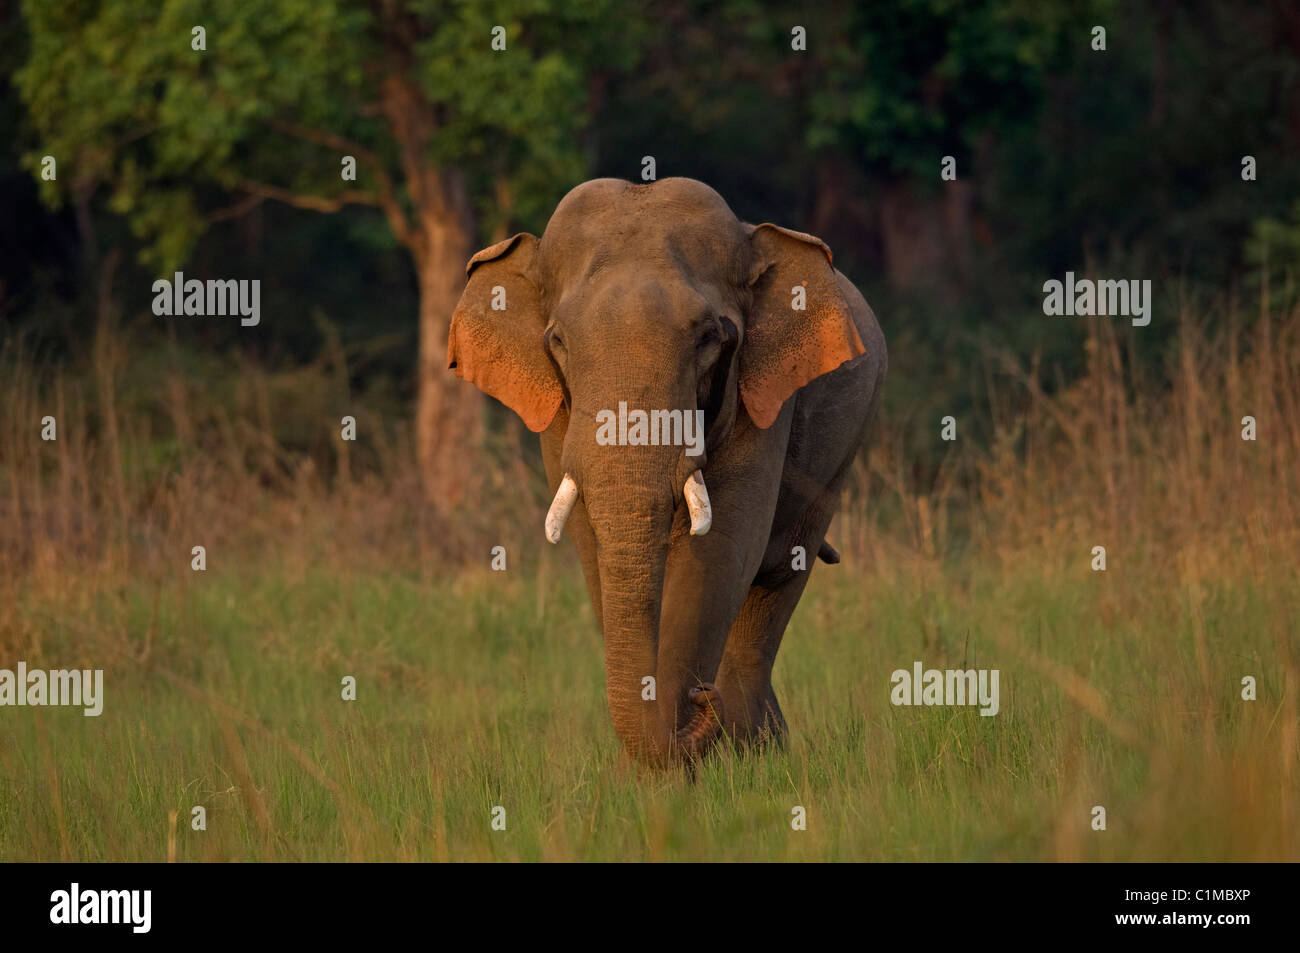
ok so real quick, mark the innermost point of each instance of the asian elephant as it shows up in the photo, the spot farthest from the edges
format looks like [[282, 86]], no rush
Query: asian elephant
[[656, 298]]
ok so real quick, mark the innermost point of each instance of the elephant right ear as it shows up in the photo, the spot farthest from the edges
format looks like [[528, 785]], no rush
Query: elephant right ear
[[496, 333], [800, 325]]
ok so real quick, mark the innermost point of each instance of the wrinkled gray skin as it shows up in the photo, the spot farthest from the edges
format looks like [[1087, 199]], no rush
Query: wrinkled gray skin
[[649, 294]]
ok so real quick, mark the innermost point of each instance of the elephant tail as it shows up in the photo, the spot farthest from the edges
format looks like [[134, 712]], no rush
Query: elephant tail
[[827, 554]]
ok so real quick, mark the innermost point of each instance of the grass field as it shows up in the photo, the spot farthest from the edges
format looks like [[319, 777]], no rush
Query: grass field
[[478, 689], [225, 693]]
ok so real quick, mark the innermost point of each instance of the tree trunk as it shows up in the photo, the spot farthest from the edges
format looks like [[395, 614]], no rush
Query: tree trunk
[[449, 412]]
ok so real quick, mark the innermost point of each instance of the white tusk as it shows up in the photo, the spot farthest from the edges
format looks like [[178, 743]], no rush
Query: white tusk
[[697, 501], [561, 507]]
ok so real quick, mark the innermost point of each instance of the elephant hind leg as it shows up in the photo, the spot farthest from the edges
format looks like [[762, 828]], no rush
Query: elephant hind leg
[[745, 672]]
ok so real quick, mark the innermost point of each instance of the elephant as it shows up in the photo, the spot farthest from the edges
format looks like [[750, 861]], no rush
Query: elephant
[[656, 297]]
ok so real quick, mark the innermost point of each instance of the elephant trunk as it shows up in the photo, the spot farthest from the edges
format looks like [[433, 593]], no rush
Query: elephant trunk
[[632, 521]]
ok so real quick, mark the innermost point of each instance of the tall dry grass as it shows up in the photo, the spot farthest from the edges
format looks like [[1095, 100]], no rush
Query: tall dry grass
[[143, 470], [1152, 465]]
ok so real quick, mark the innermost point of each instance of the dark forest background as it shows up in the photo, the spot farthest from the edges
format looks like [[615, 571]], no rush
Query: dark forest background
[[1125, 162]]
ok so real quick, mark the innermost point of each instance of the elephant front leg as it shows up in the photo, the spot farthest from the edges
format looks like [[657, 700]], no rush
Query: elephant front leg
[[707, 578], [704, 588]]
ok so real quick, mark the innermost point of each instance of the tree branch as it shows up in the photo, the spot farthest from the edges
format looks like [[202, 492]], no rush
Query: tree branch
[[316, 203], [242, 207], [387, 196], [325, 138]]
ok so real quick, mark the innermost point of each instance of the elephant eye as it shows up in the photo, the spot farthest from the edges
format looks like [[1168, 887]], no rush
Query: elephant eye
[[709, 346], [717, 332]]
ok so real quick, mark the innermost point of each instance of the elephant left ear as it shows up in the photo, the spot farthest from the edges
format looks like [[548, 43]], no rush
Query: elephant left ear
[[495, 339], [800, 325]]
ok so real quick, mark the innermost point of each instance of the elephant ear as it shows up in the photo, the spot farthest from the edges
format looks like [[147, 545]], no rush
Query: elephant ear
[[786, 346], [496, 333]]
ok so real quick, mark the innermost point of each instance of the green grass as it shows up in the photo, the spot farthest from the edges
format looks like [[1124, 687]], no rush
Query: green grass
[[223, 689]]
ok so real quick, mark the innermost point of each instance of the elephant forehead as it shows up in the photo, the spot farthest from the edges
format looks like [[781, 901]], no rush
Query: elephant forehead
[[630, 252], [632, 248], [633, 301]]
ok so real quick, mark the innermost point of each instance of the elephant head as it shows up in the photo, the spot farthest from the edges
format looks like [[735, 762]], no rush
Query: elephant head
[[657, 298]]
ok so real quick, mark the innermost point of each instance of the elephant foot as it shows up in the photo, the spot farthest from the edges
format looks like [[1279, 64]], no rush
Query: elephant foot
[[758, 725], [705, 723]]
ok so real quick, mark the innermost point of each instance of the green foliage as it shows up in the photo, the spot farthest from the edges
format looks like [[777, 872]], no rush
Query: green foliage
[[905, 83], [118, 96], [1273, 252]]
